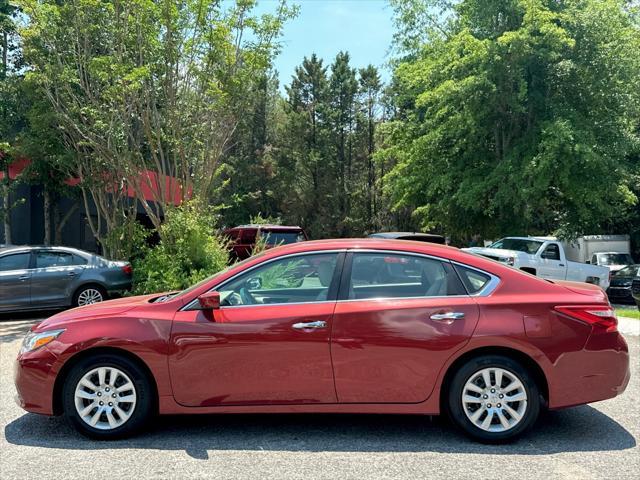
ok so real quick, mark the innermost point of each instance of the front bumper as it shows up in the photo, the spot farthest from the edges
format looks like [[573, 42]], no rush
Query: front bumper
[[620, 294], [34, 377]]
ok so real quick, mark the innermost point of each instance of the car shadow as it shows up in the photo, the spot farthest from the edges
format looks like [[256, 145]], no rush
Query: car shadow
[[578, 429]]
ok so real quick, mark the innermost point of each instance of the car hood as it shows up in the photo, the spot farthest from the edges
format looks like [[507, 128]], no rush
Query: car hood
[[494, 252], [97, 310], [615, 268]]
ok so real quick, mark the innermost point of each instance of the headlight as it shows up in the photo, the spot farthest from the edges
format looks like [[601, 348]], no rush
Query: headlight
[[33, 341]]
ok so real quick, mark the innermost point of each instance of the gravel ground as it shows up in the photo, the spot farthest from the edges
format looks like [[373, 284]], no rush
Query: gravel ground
[[595, 441]]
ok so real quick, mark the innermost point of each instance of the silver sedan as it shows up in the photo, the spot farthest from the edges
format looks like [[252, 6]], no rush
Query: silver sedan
[[38, 278]]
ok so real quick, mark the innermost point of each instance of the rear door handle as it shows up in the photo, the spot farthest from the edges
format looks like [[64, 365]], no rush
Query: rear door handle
[[447, 317], [24, 277], [309, 325]]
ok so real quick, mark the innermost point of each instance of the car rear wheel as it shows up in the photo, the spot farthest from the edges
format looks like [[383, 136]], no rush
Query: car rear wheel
[[493, 399], [88, 295], [107, 397]]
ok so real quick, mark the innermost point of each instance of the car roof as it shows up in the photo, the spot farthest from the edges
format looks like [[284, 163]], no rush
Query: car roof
[[368, 243], [539, 239], [23, 248], [404, 234], [267, 227]]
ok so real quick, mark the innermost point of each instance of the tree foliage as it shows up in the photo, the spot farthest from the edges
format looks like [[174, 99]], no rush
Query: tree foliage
[[148, 86], [520, 117]]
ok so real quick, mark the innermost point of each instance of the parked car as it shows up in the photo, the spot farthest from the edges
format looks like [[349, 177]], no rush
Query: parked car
[[543, 258], [635, 291], [243, 238], [384, 326], [619, 290], [38, 278], [415, 236], [614, 261]]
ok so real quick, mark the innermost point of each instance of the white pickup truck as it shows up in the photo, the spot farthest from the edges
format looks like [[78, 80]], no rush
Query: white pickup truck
[[544, 258]]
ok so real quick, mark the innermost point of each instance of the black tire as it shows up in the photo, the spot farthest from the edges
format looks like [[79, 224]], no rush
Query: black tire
[[145, 397], [456, 410], [84, 288]]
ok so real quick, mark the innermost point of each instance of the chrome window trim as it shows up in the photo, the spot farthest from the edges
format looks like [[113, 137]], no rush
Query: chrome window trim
[[487, 290], [189, 305]]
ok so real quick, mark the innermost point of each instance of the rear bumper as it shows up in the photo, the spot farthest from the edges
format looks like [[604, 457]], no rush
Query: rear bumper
[[598, 372], [34, 378], [120, 286]]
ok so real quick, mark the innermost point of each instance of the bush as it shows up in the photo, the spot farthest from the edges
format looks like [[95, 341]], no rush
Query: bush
[[188, 251]]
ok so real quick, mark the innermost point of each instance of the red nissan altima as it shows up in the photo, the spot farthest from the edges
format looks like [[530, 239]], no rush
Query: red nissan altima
[[349, 326]]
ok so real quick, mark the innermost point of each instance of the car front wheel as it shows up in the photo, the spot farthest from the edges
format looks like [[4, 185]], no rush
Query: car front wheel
[[493, 399], [107, 397]]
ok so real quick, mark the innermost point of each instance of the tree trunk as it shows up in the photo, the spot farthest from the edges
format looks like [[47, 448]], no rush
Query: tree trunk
[[46, 196], [61, 222], [6, 206]]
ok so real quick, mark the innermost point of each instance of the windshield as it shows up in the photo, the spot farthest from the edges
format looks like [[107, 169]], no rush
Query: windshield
[[282, 238], [630, 271], [208, 279], [614, 259], [519, 244]]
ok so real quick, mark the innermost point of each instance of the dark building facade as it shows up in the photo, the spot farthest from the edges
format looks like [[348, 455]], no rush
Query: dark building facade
[[27, 220]]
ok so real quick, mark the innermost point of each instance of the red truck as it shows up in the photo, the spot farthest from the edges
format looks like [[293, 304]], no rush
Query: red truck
[[243, 238]]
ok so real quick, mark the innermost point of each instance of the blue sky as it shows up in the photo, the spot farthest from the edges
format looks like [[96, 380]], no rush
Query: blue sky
[[361, 27]]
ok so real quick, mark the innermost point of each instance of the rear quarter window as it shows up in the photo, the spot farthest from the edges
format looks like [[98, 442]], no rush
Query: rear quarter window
[[473, 280]]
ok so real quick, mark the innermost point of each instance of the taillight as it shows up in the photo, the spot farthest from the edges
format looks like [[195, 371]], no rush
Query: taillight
[[127, 269], [597, 315]]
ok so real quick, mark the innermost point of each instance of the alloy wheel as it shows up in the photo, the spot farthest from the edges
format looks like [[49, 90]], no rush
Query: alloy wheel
[[105, 398], [89, 296], [494, 399]]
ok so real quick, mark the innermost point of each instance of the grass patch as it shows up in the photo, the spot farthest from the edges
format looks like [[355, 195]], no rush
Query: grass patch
[[628, 312]]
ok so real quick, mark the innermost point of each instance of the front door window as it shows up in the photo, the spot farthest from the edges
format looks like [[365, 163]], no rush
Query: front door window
[[296, 279]]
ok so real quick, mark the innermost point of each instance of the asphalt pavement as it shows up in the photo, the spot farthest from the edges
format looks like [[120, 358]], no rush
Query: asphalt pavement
[[593, 441]]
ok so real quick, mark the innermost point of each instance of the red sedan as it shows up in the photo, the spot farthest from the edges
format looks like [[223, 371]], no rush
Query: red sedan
[[350, 326]]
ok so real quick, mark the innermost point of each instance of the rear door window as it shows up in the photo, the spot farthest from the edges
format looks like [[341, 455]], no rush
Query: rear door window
[[48, 259], [390, 275], [282, 238]]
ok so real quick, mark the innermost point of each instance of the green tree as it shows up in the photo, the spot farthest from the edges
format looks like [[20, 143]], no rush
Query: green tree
[[306, 180], [519, 117], [143, 86], [11, 108], [343, 87]]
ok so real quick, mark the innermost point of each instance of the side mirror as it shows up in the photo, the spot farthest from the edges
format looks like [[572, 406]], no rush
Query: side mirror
[[209, 301]]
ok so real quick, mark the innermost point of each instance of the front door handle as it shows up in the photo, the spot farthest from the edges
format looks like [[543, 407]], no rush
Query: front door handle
[[447, 317], [24, 277], [309, 325], [72, 274]]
